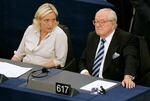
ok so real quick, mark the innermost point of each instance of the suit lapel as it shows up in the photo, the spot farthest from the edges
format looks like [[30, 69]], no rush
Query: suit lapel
[[94, 46], [114, 44]]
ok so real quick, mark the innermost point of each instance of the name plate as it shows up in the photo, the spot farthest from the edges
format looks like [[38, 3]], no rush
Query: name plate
[[64, 89]]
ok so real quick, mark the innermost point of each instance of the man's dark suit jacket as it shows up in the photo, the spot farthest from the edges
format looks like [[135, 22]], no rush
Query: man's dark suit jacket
[[122, 43], [141, 25]]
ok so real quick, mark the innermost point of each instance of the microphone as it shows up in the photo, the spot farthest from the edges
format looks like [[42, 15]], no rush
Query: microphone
[[40, 73], [45, 70]]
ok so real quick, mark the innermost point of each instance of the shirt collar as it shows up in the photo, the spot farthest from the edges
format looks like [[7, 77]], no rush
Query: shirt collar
[[108, 38]]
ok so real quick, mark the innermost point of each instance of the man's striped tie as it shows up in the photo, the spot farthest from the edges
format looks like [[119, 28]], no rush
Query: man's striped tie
[[98, 59]]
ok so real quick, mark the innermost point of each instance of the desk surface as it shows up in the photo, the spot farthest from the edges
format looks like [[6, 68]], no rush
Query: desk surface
[[12, 90]]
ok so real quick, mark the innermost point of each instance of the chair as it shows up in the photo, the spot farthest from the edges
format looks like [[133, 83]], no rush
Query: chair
[[71, 64], [143, 76]]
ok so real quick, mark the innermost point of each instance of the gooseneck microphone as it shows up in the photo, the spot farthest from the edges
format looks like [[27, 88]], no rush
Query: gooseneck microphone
[[40, 73]]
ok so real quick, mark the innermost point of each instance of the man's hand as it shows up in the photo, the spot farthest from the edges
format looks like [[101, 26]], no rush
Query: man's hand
[[127, 82], [85, 72]]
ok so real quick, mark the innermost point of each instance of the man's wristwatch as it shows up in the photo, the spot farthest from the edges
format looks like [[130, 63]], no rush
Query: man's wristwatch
[[129, 77]]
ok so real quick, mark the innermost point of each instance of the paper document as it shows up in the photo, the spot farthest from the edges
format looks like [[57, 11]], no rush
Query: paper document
[[11, 70], [96, 84]]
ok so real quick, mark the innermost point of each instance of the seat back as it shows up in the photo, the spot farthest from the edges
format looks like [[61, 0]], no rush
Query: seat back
[[71, 64], [143, 76]]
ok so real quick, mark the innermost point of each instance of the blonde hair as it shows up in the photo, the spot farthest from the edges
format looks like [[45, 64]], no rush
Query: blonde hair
[[42, 11]]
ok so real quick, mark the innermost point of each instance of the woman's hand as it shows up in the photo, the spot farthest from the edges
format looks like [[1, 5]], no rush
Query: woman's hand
[[49, 64]]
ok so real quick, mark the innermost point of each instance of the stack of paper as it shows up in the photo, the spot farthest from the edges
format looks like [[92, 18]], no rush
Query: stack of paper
[[11, 70], [96, 84]]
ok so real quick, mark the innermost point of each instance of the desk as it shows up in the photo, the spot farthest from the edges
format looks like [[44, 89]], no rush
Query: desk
[[12, 90]]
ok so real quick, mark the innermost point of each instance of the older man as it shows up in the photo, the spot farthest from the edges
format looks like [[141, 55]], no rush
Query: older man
[[110, 53]]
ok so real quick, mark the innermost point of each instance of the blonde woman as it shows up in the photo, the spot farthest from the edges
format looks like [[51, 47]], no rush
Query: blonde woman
[[43, 43]]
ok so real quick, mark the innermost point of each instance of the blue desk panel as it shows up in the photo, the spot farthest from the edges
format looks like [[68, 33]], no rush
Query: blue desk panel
[[12, 91]]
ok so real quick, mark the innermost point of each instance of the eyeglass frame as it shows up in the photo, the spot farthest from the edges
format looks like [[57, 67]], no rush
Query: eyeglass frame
[[102, 22]]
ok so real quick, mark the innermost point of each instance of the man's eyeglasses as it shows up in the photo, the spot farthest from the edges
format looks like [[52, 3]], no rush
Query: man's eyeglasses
[[102, 22]]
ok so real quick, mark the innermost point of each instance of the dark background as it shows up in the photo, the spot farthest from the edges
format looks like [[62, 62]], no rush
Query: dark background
[[16, 16]]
